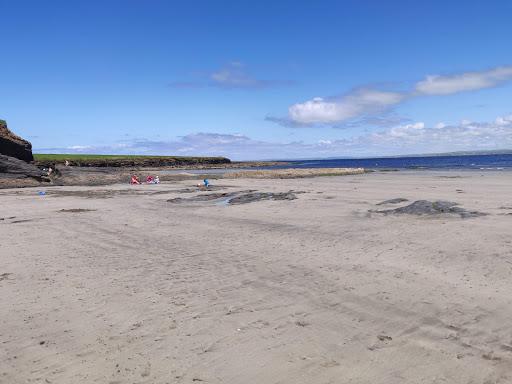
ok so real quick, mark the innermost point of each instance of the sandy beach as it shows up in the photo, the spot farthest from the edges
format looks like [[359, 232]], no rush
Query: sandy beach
[[313, 282]]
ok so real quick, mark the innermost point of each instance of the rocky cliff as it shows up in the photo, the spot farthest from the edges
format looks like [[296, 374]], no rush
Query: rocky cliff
[[15, 157], [13, 145]]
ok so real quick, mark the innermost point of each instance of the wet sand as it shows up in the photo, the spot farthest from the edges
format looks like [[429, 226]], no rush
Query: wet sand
[[117, 284]]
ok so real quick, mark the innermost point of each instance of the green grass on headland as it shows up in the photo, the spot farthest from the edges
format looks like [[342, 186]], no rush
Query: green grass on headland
[[86, 160], [64, 157]]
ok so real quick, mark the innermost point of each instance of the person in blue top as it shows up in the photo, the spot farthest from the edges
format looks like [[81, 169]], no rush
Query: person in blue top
[[206, 183]]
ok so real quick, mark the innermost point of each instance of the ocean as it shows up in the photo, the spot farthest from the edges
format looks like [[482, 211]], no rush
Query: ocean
[[473, 162], [478, 162]]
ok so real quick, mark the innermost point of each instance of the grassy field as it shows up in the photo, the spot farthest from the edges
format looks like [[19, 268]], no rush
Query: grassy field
[[60, 157], [124, 160]]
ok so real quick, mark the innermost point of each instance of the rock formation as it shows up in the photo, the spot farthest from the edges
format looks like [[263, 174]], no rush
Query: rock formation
[[11, 167], [13, 145], [432, 208], [15, 157]]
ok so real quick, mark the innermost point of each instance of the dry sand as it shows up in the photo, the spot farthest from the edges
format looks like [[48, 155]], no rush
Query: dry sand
[[118, 285]]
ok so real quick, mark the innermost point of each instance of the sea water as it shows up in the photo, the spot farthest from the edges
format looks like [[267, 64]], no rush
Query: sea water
[[478, 162]]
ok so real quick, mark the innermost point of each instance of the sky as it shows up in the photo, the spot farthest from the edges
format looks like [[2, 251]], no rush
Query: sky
[[257, 79]]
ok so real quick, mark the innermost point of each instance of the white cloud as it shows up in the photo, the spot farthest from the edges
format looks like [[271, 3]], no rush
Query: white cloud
[[358, 103], [407, 130], [370, 106], [503, 120], [469, 81], [401, 139], [463, 136], [79, 147], [234, 75]]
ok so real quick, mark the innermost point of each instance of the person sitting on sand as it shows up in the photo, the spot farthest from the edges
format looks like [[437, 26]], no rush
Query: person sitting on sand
[[206, 183], [157, 180], [135, 180], [150, 180]]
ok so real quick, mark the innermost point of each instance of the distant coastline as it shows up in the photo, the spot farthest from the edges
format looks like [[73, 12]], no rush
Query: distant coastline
[[146, 161], [436, 154]]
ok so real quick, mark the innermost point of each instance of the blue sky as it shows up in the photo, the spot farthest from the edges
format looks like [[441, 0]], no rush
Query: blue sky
[[257, 80]]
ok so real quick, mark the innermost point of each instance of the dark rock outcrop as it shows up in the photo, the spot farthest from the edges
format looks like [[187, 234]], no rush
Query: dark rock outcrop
[[259, 196], [432, 208], [201, 198], [13, 145], [236, 198], [10, 167]]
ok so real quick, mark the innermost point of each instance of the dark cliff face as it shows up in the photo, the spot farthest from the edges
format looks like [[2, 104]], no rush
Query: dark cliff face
[[13, 145], [15, 158]]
